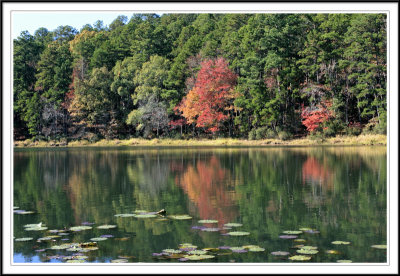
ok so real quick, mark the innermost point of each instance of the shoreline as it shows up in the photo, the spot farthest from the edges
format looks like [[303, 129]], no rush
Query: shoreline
[[361, 140]]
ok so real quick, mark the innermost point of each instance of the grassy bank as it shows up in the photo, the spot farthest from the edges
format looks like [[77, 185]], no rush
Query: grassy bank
[[339, 140]]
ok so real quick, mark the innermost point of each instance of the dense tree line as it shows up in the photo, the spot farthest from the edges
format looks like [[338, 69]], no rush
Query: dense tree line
[[203, 75]]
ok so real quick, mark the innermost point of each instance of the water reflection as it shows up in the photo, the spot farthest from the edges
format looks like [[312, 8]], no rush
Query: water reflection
[[341, 191]]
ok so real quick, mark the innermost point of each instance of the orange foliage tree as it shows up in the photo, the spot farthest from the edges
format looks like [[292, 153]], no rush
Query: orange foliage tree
[[209, 102]]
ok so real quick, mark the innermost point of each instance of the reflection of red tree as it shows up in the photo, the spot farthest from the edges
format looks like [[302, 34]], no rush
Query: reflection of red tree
[[206, 185], [315, 172]]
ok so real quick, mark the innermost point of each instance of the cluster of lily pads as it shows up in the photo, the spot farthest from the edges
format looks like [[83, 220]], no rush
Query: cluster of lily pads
[[184, 252], [190, 252]]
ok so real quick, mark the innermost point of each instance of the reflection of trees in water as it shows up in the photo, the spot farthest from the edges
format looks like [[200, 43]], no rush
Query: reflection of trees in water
[[152, 173], [207, 185], [317, 172]]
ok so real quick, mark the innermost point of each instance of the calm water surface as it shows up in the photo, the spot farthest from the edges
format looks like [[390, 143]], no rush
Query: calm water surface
[[339, 192]]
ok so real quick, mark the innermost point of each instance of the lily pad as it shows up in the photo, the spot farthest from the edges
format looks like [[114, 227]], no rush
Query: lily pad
[[197, 252], [288, 236], [233, 224], [379, 246], [239, 251], [106, 226], [140, 211], [198, 257], [208, 221], [63, 246], [332, 252], [171, 251], [256, 249], [311, 231], [87, 223], [34, 225], [15, 207], [280, 253], [300, 258], [23, 212], [209, 229], [106, 236], [24, 239], [305, 229], [307, 251], [236, 248], [292, 232], [341, 242], [187, 245], [120, 261], [198, 227], [308, 247], [145, 215], [98, 239], [35, 228], [224, 247], [238, 233], [125, 215], [75, 261], [344, 261], [180, 217], [80, 228], [299, 240]]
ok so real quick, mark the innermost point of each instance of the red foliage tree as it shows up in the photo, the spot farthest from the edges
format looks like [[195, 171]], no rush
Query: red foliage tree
[[208, 103], [313, 118]]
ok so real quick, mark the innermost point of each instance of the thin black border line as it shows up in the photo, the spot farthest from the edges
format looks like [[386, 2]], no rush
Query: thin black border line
[[209, 264]]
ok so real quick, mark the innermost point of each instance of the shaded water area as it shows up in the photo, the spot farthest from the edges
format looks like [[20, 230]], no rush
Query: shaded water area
[[331, 193]]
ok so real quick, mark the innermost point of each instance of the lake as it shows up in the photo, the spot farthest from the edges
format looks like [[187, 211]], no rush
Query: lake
[[223, 205]]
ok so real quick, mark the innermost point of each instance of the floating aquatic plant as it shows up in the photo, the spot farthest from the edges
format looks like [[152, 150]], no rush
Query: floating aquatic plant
[[24, 239], [236, 248], [311, 231], [332, 252], [198, 227], [208, 221], [280, 253], [288, 236], [198, 257], [210, 229], [98, 239], [180, 217], [197, 252], [15, 207], [344, 261], [35, 228], [341, 242], [183, 259], [307, 251], [140, 211], [80, 228], [33, 225], [106, 236], [106, 226], [119, 261], [305, 229], [256, 249], [75, 261], [224, 247], [233, 224], [292, 232], [64, 246], [379, 246], [238, 233], [145, 215], [23, 212], [299, 240], [171, 251], [187, 245], [308, 247], [300, 258], [87, 223], [125, 215]]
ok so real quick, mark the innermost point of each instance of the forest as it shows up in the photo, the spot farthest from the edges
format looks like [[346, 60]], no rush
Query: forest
[[248, 76]]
